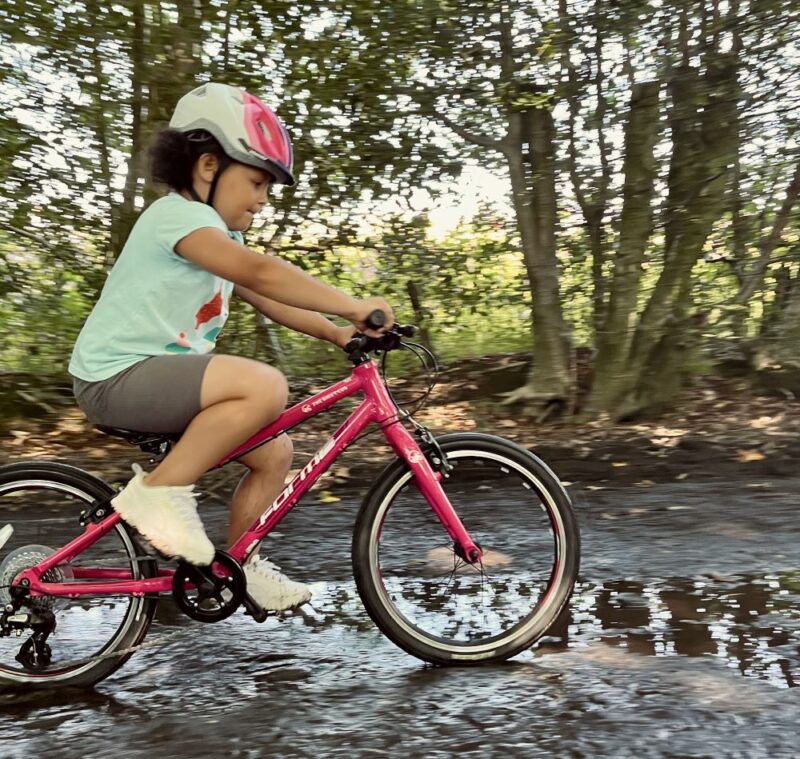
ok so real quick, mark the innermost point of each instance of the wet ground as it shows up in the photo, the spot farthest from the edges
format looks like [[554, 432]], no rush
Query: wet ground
[[683, 640]]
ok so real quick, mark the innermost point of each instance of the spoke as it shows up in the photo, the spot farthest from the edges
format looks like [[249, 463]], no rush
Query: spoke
[[455, 599], [452, 574], [475, 569]]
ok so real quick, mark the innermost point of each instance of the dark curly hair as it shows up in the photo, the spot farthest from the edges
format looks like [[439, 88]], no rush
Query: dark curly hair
[[173, 155]]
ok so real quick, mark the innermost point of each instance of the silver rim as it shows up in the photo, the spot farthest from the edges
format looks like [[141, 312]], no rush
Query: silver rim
[[475, 650], [135, 605]]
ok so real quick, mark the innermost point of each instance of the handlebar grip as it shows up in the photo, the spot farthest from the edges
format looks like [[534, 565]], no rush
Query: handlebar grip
[[376, 319], [357, 343]]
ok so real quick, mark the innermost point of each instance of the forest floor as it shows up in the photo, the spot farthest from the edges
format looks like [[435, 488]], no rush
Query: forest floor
[[719, 428]]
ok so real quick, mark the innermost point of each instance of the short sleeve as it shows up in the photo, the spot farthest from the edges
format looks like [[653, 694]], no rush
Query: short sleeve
[[180, 218]]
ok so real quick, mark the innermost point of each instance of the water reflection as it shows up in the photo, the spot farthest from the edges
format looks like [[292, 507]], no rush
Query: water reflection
[[751, 622]]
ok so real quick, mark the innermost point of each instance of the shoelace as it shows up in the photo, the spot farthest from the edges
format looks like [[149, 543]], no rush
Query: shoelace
[[266, 568]]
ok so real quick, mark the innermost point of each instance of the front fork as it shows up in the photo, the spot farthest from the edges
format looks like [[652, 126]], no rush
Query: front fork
[[429, 464]]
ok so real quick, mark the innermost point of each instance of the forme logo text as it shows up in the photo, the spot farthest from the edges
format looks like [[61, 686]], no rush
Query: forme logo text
[[300, 477]]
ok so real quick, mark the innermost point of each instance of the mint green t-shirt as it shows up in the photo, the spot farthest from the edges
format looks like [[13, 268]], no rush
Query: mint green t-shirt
[[155, 302]]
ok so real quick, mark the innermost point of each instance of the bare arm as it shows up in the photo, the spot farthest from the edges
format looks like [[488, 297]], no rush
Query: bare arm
[[299, 319], [268, 276]]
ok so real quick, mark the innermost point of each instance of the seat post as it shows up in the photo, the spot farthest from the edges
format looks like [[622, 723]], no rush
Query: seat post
[[158, 444]]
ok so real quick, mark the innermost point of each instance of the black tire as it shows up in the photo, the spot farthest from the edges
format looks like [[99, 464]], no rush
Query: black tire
[[383, 594], [59, 486]]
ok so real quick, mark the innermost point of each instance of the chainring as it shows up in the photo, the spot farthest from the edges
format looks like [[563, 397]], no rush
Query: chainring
[[23, 558], [209, 594]]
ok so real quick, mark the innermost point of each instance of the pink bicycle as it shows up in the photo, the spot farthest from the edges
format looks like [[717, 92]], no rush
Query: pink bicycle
[[465, 549]]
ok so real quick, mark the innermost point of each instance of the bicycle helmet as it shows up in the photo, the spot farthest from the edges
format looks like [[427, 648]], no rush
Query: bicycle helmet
[[247, 130]]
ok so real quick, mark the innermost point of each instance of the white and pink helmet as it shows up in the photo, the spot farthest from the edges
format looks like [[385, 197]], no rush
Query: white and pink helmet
[[248, 131]]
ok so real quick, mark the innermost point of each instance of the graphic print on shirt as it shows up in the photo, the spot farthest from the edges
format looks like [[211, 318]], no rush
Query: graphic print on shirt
[[208, 323]]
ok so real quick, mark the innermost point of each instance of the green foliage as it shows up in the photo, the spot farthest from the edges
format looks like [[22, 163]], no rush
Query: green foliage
[[381, 100]]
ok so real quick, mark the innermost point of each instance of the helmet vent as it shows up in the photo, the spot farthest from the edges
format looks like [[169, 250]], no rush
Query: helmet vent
[[263, 129]]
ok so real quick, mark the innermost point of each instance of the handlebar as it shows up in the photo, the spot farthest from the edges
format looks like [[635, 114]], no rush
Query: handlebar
[[359, 344], [376, 319]]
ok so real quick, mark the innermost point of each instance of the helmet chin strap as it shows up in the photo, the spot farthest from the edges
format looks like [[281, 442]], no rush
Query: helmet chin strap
[[224, 162]]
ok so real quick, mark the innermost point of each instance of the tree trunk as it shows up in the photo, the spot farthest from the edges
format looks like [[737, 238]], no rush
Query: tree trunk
[[753, 279], [534, 197], [779, 344], [268, 346], [136, 159], [175, 76], [420, 315], [704, 146], [614, 339], [591, 194]]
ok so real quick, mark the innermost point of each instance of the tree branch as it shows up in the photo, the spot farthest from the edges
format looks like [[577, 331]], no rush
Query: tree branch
[[475, 139], [754, 278]]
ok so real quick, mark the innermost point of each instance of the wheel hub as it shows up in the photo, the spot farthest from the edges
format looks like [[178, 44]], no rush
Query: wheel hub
[[23, 558]]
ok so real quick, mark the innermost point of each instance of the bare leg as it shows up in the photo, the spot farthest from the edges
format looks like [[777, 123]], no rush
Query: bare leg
[[238, 397], [268, 466]]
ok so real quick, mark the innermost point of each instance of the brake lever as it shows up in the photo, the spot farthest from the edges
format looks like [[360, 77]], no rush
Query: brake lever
[[389, 341]]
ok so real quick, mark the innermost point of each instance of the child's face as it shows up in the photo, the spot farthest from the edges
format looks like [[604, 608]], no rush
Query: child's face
[[241, 191]]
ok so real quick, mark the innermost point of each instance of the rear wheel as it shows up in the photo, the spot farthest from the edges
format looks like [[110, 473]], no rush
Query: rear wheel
[[42, 502], [433, 604]]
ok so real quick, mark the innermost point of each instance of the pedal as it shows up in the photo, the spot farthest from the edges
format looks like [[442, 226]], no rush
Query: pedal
[[252, 609]]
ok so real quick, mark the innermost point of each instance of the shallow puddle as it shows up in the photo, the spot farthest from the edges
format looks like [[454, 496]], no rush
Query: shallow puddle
[[751, 623], [668, 649]]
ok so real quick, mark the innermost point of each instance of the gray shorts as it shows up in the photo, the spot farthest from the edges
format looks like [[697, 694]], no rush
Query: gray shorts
[[159, 394]]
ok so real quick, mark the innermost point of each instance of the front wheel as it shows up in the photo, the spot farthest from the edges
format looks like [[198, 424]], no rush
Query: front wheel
[[429, 601]]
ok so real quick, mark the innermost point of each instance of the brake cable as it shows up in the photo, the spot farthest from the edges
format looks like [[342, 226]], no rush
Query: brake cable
[[432, 371]]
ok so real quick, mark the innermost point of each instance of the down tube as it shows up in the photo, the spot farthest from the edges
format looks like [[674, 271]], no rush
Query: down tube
[[303, 480]]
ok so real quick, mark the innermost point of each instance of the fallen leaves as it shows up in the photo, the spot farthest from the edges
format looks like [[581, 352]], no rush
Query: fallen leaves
[[749, 455]]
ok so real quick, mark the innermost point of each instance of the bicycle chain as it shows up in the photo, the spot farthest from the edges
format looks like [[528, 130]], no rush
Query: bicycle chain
[[131, 649]]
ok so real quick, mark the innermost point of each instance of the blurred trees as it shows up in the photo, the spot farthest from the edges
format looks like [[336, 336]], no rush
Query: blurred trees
[[650, 151]]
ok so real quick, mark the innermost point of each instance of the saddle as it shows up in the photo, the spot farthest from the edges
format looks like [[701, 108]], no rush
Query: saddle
[[158, 443]]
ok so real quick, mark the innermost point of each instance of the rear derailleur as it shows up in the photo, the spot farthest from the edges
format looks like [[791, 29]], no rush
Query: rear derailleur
[[35, 654]]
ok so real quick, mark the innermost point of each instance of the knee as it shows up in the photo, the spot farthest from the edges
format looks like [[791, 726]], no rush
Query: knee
[[279, 387], [283, 452], [262, 388], [269, 392], [274, 456]]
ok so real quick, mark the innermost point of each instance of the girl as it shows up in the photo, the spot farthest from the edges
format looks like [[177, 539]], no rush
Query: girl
[[144, 361]]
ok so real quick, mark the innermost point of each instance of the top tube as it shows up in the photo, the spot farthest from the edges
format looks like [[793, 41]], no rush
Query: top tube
[[364, 378]]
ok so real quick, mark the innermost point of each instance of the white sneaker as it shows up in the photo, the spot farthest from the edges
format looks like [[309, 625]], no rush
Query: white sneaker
[[165, 515], [271, 589]]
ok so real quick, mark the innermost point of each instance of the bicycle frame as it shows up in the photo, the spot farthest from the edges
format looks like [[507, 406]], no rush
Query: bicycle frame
[[377, 407]]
